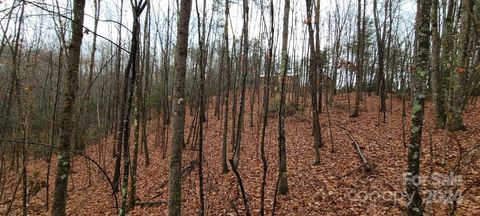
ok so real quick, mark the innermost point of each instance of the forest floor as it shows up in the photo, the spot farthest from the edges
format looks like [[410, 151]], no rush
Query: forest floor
[[335, 187]]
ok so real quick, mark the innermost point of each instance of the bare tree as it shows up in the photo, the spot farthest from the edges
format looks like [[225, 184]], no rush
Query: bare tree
[[66, 124], [380, 35], [120, 102], [266, 100], [359, 59], [226, 65], [138, 114], [132, 68], [422, 29], [202, 118], [175, 164], [459, 74], [282, 151], [316, 130], [245, 69], [438, 80]]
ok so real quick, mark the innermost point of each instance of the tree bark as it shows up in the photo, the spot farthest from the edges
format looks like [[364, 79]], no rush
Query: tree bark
[[226, 65], [202, 119], [359, 61], [446, 55], [120, 102], [175, 163], [460, 73], [380, 36], [282, 151], [132, 66], [266, 100], [438, 79], [422, 30], [245, 68], [66, 124], [316, 130]]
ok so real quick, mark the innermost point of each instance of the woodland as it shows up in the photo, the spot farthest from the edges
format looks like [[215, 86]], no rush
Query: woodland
[[239, 107]]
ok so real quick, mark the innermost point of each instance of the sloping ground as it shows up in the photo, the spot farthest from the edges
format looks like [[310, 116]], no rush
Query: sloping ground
[[335, 187]]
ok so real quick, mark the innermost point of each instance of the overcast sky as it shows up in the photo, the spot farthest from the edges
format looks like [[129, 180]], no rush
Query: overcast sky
[[110, 11]]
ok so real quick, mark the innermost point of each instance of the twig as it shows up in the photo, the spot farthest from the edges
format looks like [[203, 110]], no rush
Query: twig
[[355, 144], [343, 128], [242, 189]]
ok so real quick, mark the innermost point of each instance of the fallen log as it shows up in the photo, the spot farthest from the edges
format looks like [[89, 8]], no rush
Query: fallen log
[[365, 164]]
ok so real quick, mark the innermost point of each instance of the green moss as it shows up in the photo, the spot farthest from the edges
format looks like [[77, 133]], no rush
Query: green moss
[[414, 129], [421, 75], [416, 107], [124, 190]]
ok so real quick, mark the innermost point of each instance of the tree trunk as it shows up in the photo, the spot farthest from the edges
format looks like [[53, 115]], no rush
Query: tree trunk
[[144, 113], [245, 68], [132, 66], [166, 95], [282, 152], [446, 55], [316, 130], [53, 127], [359, 61], [419, 79], [175, 163], [120, 102], [318, 55], [438, 79], [66, 124], [380, 35], [202, 119], [226, 65], [460, 73], [266, 99]]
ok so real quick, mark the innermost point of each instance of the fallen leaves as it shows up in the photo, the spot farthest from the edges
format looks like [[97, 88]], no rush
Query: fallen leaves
[[313, 190]]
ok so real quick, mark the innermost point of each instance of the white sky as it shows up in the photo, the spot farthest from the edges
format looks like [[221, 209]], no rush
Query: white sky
[[110, 11]]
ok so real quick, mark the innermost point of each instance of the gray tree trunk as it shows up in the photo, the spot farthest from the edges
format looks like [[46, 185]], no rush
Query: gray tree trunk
[[226, 65], [438, 79], [419, 79], [316, 130], [266, 100], [359, 61], [178, 118], [460, 73], [282, 152], [245, 68], [66, 124], [133, 66]]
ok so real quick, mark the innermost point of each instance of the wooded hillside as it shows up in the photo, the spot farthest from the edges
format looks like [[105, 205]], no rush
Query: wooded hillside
[[229, 107]]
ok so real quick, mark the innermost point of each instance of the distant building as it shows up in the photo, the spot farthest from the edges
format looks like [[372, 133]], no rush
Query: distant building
[[290, 80]]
